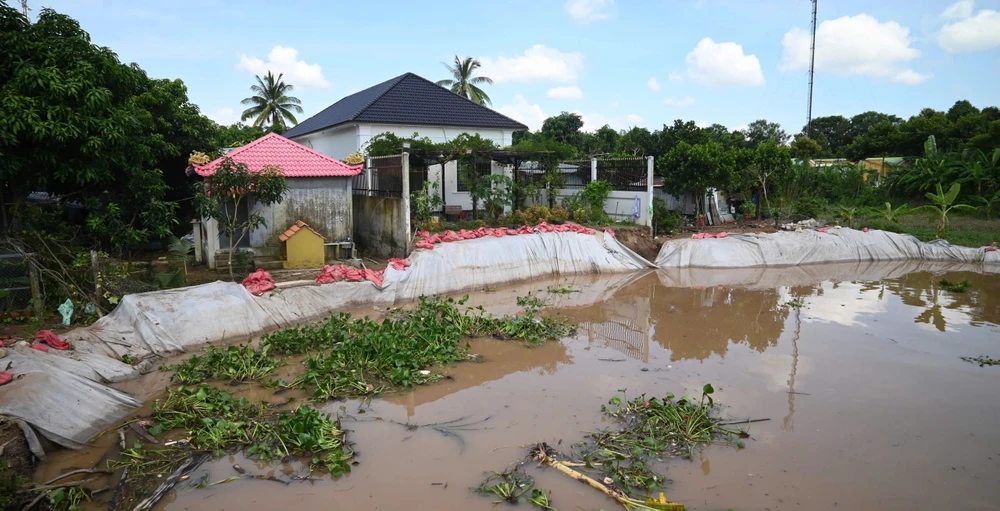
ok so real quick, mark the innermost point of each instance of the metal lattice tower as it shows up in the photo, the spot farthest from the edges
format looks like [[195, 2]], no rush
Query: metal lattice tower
[[812, 72]]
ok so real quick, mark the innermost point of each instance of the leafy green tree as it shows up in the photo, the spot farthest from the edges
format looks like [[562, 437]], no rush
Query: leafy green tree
[[881, 139], [638, 142], [890, 214], [833, 133], [238, 135], [770, 162], [680, 131], [861, 123], [988, 204], [233, 184], [696, 168], [805, 147], [271, 105], [760, 131], [463, 83], [563, 128], [78, 124]]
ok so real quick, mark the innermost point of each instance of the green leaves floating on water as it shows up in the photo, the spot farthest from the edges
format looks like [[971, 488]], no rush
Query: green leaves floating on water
[[954, 287]]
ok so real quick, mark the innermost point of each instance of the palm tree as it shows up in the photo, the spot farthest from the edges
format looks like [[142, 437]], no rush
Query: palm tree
[[463, 83], [271, 103]]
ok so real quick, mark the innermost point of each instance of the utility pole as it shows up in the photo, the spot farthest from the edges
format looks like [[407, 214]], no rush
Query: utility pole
[[24, 7], [812, 72]]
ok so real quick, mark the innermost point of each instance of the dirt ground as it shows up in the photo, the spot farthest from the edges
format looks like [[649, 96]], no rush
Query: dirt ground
[[639, 240], [14, 448]]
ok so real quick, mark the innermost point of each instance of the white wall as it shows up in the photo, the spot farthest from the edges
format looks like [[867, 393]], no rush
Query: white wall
[[437, 134], [335, 142]]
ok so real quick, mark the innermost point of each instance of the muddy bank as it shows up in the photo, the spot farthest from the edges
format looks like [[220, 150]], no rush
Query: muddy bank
[[640, 241], [859, 377]]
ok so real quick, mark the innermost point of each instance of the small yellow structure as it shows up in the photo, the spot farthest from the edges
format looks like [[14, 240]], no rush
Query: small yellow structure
[[303, 247]]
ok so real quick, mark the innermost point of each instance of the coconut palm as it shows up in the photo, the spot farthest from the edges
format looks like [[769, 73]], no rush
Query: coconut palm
[[463, 83], [271, 103]]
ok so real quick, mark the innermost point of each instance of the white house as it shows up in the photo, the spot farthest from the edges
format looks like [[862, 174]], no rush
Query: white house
[[405, 105]]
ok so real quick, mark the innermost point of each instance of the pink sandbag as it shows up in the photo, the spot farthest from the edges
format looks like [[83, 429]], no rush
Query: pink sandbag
[[372, 276], [398, 263], [52, 340], [259, 282], [822, 230], [424, 244], [40, 347], [865, 229], [989, 249], [423, 234], [450, 236], [609, 231], [5, 378]]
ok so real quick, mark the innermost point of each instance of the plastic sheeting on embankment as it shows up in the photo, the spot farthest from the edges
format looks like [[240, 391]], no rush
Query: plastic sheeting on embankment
[[806, 275], [812, 247], [61, 394]]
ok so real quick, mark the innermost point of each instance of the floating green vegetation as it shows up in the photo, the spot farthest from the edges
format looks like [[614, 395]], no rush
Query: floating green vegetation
[[562, 290], [233, 364], [219, 423], [797, 304], [649, 429], [510, 486], [362, 357], [954, 287], [982, 360]]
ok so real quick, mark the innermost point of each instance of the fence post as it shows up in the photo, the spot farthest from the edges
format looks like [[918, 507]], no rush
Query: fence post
[[368, 176], [593, 170], [406, 200], [649, 193], [36, 293]]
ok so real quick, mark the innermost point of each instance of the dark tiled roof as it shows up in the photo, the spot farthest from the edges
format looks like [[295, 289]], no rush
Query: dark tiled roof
[[406, 99]]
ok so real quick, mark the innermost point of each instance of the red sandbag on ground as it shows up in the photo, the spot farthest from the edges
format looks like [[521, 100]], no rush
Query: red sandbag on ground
[[259, 282], [40, 347], [609, 231], [822, 230], [52, 340], [372, 276], [5, 378], [398, 263]]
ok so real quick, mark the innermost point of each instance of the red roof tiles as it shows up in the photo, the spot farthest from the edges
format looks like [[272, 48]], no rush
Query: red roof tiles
[[296, 160], [299, 225]]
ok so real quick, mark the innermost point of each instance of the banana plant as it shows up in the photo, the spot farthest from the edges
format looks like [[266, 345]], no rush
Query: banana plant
[[989, 205], [893, 215], [848, 214], [942, 204]]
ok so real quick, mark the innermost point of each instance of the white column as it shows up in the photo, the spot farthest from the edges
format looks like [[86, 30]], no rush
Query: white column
[[211, 241], [199, 256], [593, 169], [649, 192], [368, 176], [406, 197]]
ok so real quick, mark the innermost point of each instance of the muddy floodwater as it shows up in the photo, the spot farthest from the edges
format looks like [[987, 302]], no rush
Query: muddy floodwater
[[858, 369]]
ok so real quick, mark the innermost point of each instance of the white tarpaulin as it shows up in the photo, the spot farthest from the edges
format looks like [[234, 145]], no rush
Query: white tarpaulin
[[164, 322], [838, 245]]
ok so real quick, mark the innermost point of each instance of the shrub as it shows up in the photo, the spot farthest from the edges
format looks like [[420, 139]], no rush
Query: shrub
[[580, 215], [536, 214], [664, 220], [558, 215]]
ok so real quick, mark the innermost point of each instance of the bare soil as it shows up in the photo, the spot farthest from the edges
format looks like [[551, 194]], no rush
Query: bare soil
[[14, 448]]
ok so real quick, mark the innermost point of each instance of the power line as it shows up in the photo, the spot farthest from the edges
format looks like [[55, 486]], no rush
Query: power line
[[812, 72]]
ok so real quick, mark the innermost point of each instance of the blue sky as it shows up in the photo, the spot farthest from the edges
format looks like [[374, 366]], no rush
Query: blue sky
[[620, 62]]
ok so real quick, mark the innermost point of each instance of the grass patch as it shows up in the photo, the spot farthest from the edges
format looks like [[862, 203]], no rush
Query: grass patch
[[233, 364], [11, 483], [982, 360], [964, 230], [954, 287]]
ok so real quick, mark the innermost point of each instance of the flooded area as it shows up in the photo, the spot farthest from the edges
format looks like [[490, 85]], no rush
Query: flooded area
[[857, 369]]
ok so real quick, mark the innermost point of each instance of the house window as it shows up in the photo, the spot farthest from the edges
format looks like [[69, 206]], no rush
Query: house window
[[471, 171]]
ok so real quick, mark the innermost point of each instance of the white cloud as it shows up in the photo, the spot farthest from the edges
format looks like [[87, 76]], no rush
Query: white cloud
[[521, 110], [568, 92], [224, 116], [595, 120], [589, 10], [685, 101], [675, 76], [958, 10], [538, 63], [969, 33], [654, 84], [614, 104], [712, 63], [286, 61], [910, 77], [855, 45]]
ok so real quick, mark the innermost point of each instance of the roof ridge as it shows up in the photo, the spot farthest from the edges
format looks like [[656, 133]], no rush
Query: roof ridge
[[398, 80], [467, 99]]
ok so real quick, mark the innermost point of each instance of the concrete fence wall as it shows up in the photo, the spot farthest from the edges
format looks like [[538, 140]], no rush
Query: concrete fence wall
[[380, 227]]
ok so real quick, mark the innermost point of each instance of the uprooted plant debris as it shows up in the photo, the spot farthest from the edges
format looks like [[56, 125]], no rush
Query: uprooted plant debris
[[617, 461], [954, 287], [982, 360], [514, 486]]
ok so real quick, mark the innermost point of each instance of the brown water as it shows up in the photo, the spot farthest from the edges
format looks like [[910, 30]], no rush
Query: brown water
[[870, 406]]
